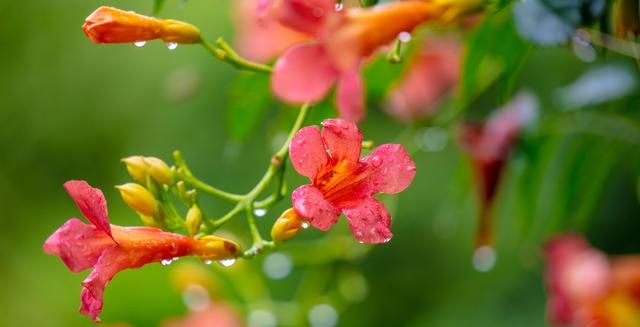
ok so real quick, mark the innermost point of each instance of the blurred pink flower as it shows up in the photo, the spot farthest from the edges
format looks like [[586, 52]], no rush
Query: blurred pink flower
[[260, 37], [431, 74], [489, 145], [82, 246], [342, 39], [341, 182], [216, 315], [585, 288]]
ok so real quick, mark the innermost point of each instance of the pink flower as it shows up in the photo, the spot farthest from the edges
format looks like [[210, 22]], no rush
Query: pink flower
[[216, 315], [341, 182], [343, 38], [489, 145], [259, 35], [431, 75], [109, 249], [585, 288]]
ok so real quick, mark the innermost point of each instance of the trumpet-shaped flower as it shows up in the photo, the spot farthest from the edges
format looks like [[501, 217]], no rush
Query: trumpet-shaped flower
[[342, 39], [432, 73], [112, 25], [108, 249], [259, 36], [341, 182], [489, 145], [585, 288]]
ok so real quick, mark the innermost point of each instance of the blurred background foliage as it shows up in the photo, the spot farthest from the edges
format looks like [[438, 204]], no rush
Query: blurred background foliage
[[70, 110]]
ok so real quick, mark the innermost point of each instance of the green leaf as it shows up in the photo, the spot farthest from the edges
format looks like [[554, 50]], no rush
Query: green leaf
[[494, 56], [157, 6], [248, 101]]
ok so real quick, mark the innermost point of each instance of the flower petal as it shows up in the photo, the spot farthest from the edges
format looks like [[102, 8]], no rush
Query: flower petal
[[310, 204], [391, 169], [307, 16], [369, 221], [307, 152], [303, 74], [79, 245], [350, 97], [92, 296], [91, 203], [343, 140]]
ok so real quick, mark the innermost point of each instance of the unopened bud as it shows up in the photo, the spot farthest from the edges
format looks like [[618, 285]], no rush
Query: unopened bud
[[287, 226], [136, 168], [139, 199], [193, 220], [148, 221], [626, 19], [216, 248], [158, 170]]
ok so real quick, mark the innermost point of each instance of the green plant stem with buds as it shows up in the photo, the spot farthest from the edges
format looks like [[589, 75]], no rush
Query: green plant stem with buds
[[223, 51], [248, 202]]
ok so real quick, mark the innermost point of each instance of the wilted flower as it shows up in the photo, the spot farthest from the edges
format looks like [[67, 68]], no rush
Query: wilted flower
[[489, 145], [112, 25], [82, 246], [585, 288], [432, 74], [259, 36], [341, 182], [343, 38]]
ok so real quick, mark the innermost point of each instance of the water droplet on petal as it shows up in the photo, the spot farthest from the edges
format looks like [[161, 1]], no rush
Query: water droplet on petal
[[175, 258], [484, 258], [172, 45], [227, 262], [339, 6], [318, 12], [166, 262], [140, 44], [304, 225], [260, 212], [376, 161], [404, 37], [323, 315], [277, 265], [261, 318]]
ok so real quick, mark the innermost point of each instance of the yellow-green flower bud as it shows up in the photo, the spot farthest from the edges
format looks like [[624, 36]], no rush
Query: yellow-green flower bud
[[136, 168], [216, 248], [287, 226], [193, 220], [158, 170], [139, 199]]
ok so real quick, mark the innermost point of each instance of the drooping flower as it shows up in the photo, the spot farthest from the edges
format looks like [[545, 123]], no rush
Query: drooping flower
[[112, 25], [585, 288], [341, 182], [431, 74], [259, 36], [109, 249], [343, 38], [489, 145]]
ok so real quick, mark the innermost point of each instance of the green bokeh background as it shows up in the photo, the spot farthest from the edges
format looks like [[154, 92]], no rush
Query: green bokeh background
[[70, 110]]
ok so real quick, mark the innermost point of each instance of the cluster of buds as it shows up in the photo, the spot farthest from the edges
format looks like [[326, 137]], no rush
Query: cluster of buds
[[140, 168]]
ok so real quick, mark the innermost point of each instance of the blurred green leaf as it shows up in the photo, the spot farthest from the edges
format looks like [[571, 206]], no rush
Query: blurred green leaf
[[494, 56], [247, 104], [157, 6]]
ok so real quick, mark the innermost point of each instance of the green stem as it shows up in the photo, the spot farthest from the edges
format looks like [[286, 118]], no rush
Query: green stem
[[224, 52], [394, 56], [187, 176]]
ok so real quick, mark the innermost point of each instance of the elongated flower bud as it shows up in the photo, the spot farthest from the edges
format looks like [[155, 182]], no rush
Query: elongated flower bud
[[139, 199], [626, 18], [193, 220], [136, 168], [112, 25], [287, 226], [216, 248], [158, 170]]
